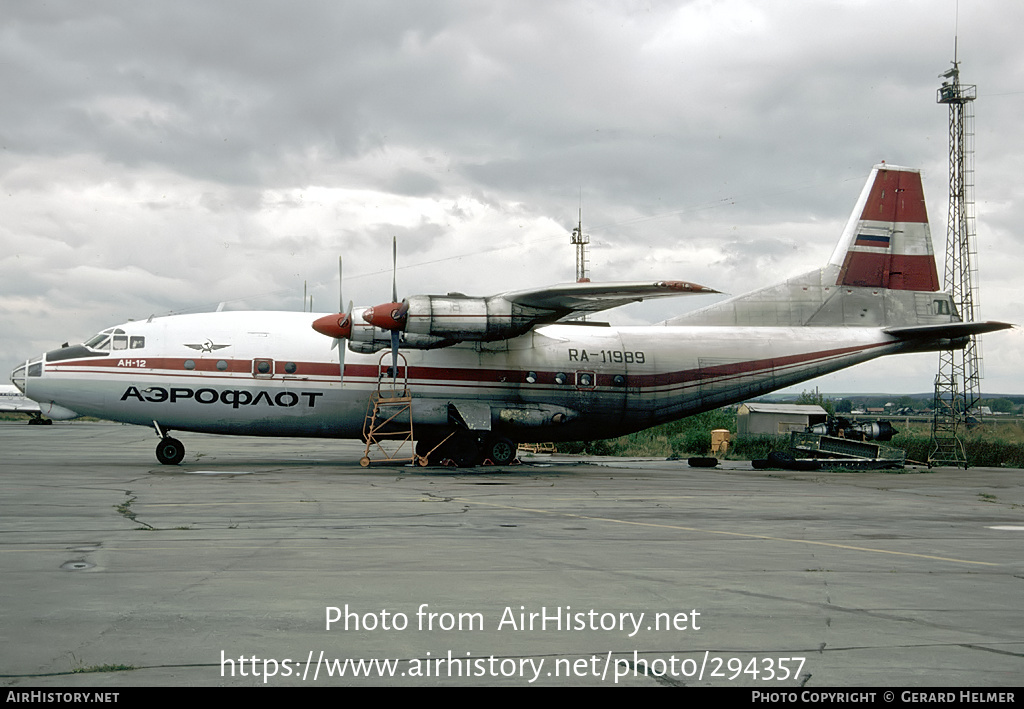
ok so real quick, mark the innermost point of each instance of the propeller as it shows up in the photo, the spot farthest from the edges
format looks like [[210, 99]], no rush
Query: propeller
[[337, 325], [391, 316]]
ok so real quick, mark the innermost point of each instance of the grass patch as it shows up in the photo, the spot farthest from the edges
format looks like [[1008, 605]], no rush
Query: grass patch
[[686, 437], [987, 445]]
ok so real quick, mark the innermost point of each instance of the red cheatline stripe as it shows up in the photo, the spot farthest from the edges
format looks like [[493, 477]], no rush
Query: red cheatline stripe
[[466, 376]]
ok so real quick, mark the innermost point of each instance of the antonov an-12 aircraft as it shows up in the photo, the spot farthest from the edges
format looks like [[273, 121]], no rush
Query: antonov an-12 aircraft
[[488, 373]]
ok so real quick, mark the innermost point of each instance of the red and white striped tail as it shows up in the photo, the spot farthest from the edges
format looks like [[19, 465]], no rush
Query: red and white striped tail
[[887, 242]]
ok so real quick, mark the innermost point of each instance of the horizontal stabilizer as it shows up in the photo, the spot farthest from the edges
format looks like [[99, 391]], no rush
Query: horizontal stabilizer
[[946, 330]]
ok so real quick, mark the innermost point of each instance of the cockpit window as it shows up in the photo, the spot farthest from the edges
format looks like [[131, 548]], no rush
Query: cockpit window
[[111, 338], [99, 342]]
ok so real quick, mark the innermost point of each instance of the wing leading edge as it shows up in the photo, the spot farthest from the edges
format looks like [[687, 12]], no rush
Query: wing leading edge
[[572, 299]]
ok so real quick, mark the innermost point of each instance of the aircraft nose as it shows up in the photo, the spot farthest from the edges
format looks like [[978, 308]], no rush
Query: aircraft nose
[[18, 376], [22, 373]]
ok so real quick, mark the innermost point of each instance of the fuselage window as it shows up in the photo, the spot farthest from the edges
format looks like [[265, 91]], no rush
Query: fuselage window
[[222, 365], [190, 364], [290, 368]]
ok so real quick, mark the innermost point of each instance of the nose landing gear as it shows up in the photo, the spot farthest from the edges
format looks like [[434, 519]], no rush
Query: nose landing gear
[[169, 451]]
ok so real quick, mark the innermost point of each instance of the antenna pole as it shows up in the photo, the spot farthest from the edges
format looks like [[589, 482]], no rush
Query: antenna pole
[[958, 382], [581, 241]]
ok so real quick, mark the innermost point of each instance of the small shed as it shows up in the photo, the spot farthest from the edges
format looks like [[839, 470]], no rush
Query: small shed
[[756, 419]]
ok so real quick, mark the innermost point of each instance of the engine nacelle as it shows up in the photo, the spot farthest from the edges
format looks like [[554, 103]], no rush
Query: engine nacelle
[[367, 339], [460, 318]]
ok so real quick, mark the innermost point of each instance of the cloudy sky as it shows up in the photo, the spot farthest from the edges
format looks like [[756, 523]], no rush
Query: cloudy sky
[[168, 157]]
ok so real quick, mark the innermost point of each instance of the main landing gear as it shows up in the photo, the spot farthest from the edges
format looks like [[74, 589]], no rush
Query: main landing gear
[[169, 451], [466, 449]]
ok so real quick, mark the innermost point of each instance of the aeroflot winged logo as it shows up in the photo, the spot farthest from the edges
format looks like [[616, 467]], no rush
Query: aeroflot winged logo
[[207, 346]]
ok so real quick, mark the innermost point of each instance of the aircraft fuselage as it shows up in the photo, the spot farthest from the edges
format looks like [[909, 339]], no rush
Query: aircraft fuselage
[[268, 373]]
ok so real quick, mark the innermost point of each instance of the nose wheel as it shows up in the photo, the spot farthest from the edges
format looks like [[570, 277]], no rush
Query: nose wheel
[[170, 451]]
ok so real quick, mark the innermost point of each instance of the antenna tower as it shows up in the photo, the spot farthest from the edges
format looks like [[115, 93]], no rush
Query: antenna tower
[[958, 383], [581, 241]]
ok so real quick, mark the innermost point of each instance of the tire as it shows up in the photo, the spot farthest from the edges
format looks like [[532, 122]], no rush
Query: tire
[[781, 459], [500, 450], [170, 451]]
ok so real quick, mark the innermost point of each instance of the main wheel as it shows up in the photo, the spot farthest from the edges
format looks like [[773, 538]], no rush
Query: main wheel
[[500, 450], [170, 451]]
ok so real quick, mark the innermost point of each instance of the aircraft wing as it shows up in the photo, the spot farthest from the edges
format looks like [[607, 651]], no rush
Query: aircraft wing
[[431, 321], [568, 300], [18, 405]]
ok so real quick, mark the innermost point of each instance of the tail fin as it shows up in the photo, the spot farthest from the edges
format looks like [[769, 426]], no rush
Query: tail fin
[[887, 242], [881, 274]]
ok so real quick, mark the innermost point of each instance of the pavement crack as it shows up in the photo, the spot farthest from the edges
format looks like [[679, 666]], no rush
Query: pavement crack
[[125, 510]]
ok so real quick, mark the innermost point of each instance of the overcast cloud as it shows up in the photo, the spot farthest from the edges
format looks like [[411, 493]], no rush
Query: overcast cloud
[[159, 157]]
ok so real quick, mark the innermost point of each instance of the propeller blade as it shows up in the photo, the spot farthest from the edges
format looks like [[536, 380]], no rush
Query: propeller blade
[[337, 326], [341, 346], [347, 321], [395, 335], [341, 308], [394, 269]]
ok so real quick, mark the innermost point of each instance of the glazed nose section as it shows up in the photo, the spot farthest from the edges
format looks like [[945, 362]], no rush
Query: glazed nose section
[[19, 375]]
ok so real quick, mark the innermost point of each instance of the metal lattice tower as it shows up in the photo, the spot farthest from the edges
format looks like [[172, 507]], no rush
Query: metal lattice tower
[[580, 240], [958, 383]]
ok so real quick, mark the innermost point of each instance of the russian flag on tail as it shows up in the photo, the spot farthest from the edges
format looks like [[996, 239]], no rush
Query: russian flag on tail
[[877, 242]]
